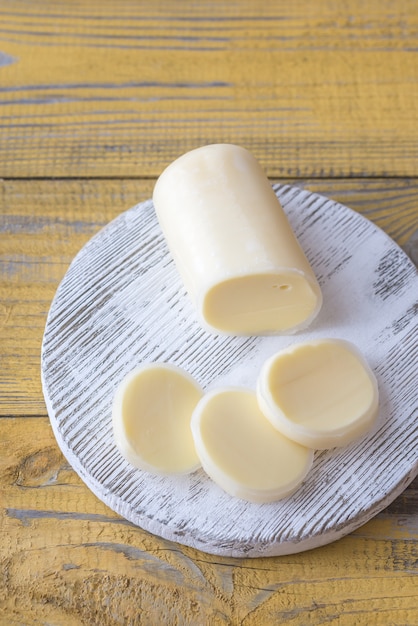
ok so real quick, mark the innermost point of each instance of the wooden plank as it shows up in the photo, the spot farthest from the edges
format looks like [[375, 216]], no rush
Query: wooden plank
[[99, 572], [67, 559], [313, 90], [45, 223]]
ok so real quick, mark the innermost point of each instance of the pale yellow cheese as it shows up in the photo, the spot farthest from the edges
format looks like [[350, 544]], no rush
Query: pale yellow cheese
[[241, 451], [319, 393], [233, 245], [151, 415]]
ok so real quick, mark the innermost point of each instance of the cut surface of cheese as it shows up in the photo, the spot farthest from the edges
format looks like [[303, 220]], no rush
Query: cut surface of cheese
[[320, 393], [241, 451], [151, 414], [233, 245]]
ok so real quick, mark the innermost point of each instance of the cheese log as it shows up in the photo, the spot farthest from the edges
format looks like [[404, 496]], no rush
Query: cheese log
[[241, 451], [319, 393], [233, 245], [151, 414]]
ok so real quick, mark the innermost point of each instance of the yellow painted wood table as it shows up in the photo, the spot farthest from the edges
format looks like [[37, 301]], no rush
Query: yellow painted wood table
[[96, 98]]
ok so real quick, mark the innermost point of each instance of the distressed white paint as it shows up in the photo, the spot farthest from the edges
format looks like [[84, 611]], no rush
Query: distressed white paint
[[122, 303]]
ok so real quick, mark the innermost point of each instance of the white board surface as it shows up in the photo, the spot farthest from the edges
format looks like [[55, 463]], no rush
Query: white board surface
[[122, 303]]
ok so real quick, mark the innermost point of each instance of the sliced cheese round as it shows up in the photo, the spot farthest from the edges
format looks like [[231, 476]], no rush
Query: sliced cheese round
[[241, 451], [151, 415], [233, 245], [319, 393]]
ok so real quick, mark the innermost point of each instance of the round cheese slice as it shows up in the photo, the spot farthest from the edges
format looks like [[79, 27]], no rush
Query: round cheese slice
[[319, 393], [151, 415], [241, 451]]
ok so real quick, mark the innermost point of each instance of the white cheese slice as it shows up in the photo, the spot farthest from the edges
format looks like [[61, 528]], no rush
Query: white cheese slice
[[241, 451], [320, 393], [151, 415], [233, 245]]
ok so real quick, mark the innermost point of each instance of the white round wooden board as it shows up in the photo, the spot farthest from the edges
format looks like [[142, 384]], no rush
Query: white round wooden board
[[122, 303]]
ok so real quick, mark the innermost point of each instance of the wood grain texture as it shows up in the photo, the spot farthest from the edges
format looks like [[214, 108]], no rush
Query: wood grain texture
[[45, 223], [99, 89], [67, 560], [104, 89]]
